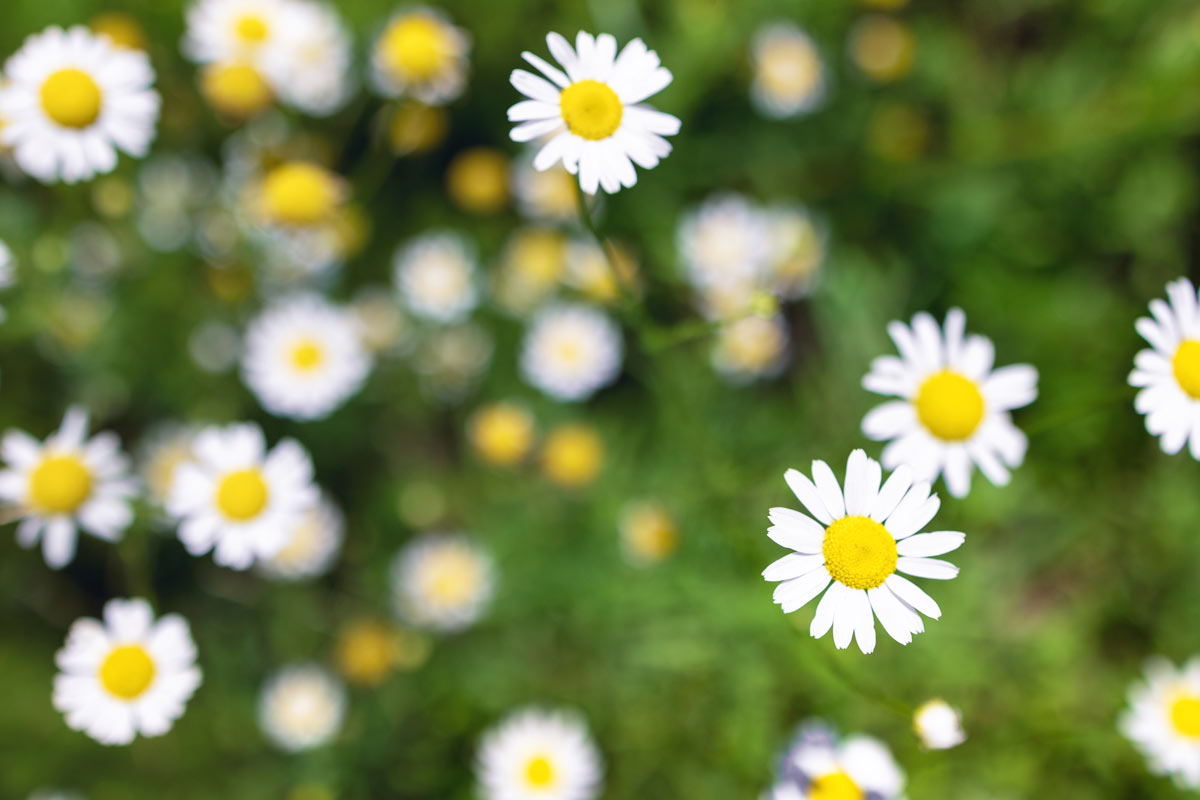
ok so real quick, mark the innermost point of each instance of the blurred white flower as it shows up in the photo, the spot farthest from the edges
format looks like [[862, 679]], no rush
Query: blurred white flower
[[236, 31], [939, 725], [453, 359], [312, 546], [571, 351], [789, 78], [301, 707], [313, 70], [548, 195], [1168, 372], [819, 766], [539, 754], [214, 346], [1163, 720], [442, 582], [421, 54], [797, 249], [725, 242], [435, 275]]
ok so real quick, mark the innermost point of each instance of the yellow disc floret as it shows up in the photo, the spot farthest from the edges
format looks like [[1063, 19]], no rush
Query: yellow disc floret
[[859, 552], [59, 484], [251, 30], [300, 193], [1186, 366], [1185, 715], [501, 433], [539, 772], [573, 456], [242, 495], [127, 671], [72, 98], [949, 405], [591, 109], [235, 89], [835, 786], [307, 355]]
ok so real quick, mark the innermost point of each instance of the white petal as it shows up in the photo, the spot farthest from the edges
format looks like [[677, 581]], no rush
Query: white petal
[[930, 544], [827, 485], [927, 568], [807, 494]]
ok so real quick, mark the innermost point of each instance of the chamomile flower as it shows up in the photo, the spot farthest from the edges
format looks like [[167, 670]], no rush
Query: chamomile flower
[[127, 675], [725, 242], [789, 78], [421, 54], [954, 407], [312, 546], [1168, 372], [820, 766], [313, 70], [858, 544], [539, 754], [66, 483], [750, 348], [304, 357], [298, 195], [442, 582], [238, 499], [71, 100], [237, 31], [939, 725], [571, 351], [591, 111], [1163, 720], [435, 274], [301, 707]]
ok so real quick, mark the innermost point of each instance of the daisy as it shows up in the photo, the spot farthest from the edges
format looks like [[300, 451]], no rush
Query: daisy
[[313, 70], [303, 358], [65, 483], [312, 546], [751, 348], [819, 766], [1163, 720], [539, 754], [442, 582], [236, 498], [571, 351], [861, 540], [939, 725], [725, 242], [789, 78], [591, 110], [435, 274], [71, 99], [953, 410], [1168, 373], [126, 675], [502, 433], [299, 195], [421, 54], [301, 707], [237, 31]]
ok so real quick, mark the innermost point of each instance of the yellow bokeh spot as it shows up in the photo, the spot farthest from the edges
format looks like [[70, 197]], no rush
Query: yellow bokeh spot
[[415, 127], [366, 652], [453, 577], [501, 433], [242, 495], [71, 98], [477, 180], [537, 256], [251, 29], [1185, 715], [307, 355], [898, 132], [949, 405], [235, 89], [121, 29], [883, 48], [59, 484], [1186, 366], [539, 772], [572, 456], [127, 671], [859, 552], [300, 193], [835, 786], [649, 533], [591, 109], [416, 46], [790, 68]]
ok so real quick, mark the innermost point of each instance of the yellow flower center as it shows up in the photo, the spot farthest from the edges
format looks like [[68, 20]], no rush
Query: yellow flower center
[[122, 29], [72, 98], [235, 89], [1186, 365], [477, 180], [790, 68], [299, 193], [859, 552], [502, 433], [573, 456], [453, 579], [307, 355], [416, 46], [366, 652], [59, 484], [949, 405], [539, 772], [127, 671], [835, 786], [591, 109], [242, 495], [1185, 715], [251, 29]]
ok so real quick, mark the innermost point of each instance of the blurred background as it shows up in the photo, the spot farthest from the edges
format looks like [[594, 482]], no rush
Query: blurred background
[[1031, 162]]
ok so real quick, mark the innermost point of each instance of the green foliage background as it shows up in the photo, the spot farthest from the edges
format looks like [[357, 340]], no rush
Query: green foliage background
[[1056, 195]]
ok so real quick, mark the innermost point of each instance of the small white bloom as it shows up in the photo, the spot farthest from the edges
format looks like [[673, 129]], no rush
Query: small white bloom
[[313, 69], [819, 766], [312, 547], [301, 707], [1163, 720], [71, 99], [571, 351], [751, 348], [789, 78], [537, 754], [237, 499], [858, 544], [591, 110], [127, 675], [237, 31], [954, 407], [442, 582], [435, 274], [725, 242], [421, 54], [65, 483], [939, 725], [1168, 373]]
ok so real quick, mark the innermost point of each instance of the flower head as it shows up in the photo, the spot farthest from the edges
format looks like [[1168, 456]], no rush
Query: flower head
[[821, 766], [301, 707], [571, 351], [536, 754], [442, 582], [421, 54], [1168, 372]]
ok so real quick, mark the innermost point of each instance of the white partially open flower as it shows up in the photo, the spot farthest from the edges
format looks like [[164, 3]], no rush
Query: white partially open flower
[[127, 675], [442, 582], [1168, 373], [420, 53], [939, 725], [789, 78], [301, 707], [591, 110], [435, 274], [571, 351], [536, 754], [71, 99]]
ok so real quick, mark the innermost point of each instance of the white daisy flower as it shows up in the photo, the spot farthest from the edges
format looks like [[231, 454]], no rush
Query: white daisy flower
[[304, 357], [591, 110], [939, 725], [301, 707], [954, 409], [571, 351], [725, 242], [538, 754], [420, 53], [67, 482], [313, 544], [237, 31], [819, 766], [1168, 373], [859, 543], [313, 70], [126, 675], [797, 249], [435, 274], [1163, 720], [442, 582], [237, 499], [789, 78], [751, 348], [71, 99]]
